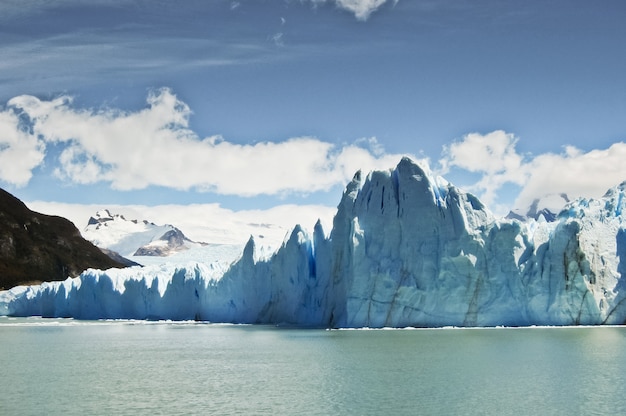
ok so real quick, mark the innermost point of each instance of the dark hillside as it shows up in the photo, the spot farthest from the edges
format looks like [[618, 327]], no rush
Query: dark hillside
[[35, 247]]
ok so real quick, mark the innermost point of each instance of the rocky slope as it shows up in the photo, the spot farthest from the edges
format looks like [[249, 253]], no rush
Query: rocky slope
[[35, 247]]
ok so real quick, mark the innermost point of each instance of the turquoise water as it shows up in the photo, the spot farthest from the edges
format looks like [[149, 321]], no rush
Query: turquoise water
[[67, 367]]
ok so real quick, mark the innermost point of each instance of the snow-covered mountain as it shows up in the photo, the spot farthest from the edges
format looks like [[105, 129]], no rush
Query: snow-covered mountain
[[406, 249], [547, 207], [135, 238]]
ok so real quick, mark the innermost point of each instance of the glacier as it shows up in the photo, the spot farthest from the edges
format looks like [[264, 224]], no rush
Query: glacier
[[406, 249]]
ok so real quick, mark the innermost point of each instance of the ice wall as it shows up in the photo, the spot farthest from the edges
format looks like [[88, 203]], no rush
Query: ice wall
[[406, 249]]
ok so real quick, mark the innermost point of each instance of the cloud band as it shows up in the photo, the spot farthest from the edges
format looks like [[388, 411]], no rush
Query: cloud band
[[154, 146]]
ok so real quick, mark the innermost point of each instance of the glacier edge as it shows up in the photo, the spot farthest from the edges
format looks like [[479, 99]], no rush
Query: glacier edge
[[406, 250]]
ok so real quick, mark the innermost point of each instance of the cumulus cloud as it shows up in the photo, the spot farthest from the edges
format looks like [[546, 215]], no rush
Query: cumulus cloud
[[574, 172], [495, 158], [362, 9], [493, 155], [20, 151], [154, 146]]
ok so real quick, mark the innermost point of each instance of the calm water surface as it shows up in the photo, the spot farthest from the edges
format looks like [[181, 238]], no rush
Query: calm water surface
[[67, 367]]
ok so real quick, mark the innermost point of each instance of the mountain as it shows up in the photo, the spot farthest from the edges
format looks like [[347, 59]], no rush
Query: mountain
[[406, 249], [135, 238], [547, 207], [35, 247]]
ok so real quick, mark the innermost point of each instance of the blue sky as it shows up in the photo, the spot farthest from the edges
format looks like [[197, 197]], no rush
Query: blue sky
[[254, 104]]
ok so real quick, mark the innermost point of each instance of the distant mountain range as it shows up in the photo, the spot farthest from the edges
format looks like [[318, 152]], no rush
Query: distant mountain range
[[547, 207], [135, 237], [35, 247]]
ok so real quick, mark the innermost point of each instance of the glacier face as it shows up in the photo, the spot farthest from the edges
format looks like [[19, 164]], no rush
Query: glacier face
[[406, 249]]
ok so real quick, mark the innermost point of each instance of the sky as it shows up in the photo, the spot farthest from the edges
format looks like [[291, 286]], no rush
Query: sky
[[253, 106]]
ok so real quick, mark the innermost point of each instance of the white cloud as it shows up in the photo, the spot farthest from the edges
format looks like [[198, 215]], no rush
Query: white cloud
[[278, 39], [493, 155], [495, 158], [574, 172], [154, 146], [20, 151], [362, 9]]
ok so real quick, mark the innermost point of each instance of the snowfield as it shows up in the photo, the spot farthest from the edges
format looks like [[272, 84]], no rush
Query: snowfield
[[405, 249]]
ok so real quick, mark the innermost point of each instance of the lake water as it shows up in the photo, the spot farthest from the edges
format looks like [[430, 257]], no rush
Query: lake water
[[68, 367]]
